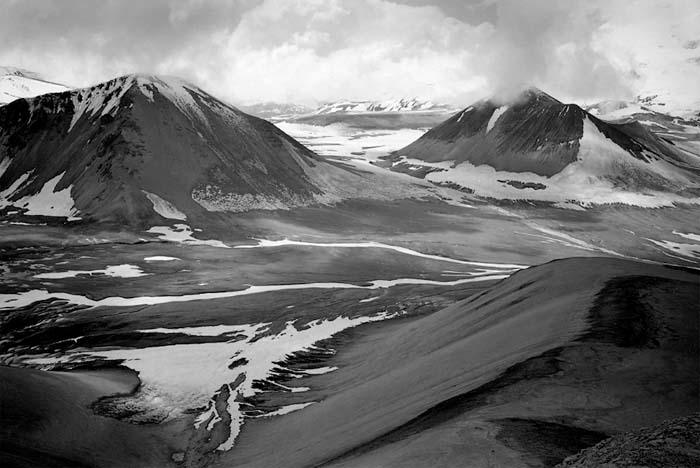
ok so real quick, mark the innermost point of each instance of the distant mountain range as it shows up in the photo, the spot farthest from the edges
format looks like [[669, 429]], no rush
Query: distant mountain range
[[638, 110], [286, 111], [269, 110], [391, 105]]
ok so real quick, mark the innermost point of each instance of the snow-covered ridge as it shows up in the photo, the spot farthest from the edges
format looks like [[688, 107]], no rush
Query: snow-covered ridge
[[391, 105], [624, 110], [267, 110], [16, 83], [16, 71]]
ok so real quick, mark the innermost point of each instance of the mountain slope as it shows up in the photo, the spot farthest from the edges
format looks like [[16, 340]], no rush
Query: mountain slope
[[536, 147], [16, 83], [137, 149]]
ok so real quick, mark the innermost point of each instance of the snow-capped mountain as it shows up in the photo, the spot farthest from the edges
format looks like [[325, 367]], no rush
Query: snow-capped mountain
[[273, 110], [392, 105], [681, 132], [16, 83], [138, 148], [536, 147], [637, 110]]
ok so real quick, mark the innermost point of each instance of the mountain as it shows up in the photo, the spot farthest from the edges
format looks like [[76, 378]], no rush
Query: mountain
[[138, 149], [392, 105], [290, 111], [536, 147], [683, 132], [624, 111], [276, 110], [16, 83]]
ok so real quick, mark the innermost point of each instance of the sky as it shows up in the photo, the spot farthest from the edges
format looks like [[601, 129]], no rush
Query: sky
[[312, 51]]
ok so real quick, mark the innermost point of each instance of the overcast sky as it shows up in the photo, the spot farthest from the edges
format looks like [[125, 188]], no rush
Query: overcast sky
[[308, 51]]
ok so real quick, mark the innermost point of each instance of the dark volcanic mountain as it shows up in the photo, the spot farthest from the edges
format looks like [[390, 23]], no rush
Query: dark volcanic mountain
[[541, 136], [139, 148]]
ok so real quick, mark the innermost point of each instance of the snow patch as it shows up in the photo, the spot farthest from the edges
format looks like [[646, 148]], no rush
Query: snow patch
[[176, 378], [287, 409], [266, 243], [182, 234], [48, 202], [164, 207], [465, 111], [114, 271], [9, 191], [689, 235], [103, 98], [11, 301], [214, 330], [497, 113], [689, 251]]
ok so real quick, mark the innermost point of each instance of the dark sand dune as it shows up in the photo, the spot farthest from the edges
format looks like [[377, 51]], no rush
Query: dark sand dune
[[47, 421], [543, 364]]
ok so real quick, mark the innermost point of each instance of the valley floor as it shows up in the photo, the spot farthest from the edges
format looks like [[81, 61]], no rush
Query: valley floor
[[377, 338]]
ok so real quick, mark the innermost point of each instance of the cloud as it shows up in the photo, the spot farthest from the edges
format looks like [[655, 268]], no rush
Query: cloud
[[315, 50], [550, 44], [81, 42]]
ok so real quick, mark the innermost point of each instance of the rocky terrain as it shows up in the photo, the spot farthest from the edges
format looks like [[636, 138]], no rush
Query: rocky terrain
[[671, 443]]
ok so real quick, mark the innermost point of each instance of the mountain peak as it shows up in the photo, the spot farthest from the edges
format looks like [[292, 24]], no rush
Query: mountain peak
[[15, 71], [106, 98]]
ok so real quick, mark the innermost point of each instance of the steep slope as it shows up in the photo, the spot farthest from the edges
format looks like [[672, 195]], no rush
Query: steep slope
[[536, 147], [16, 83], [137, 149]]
